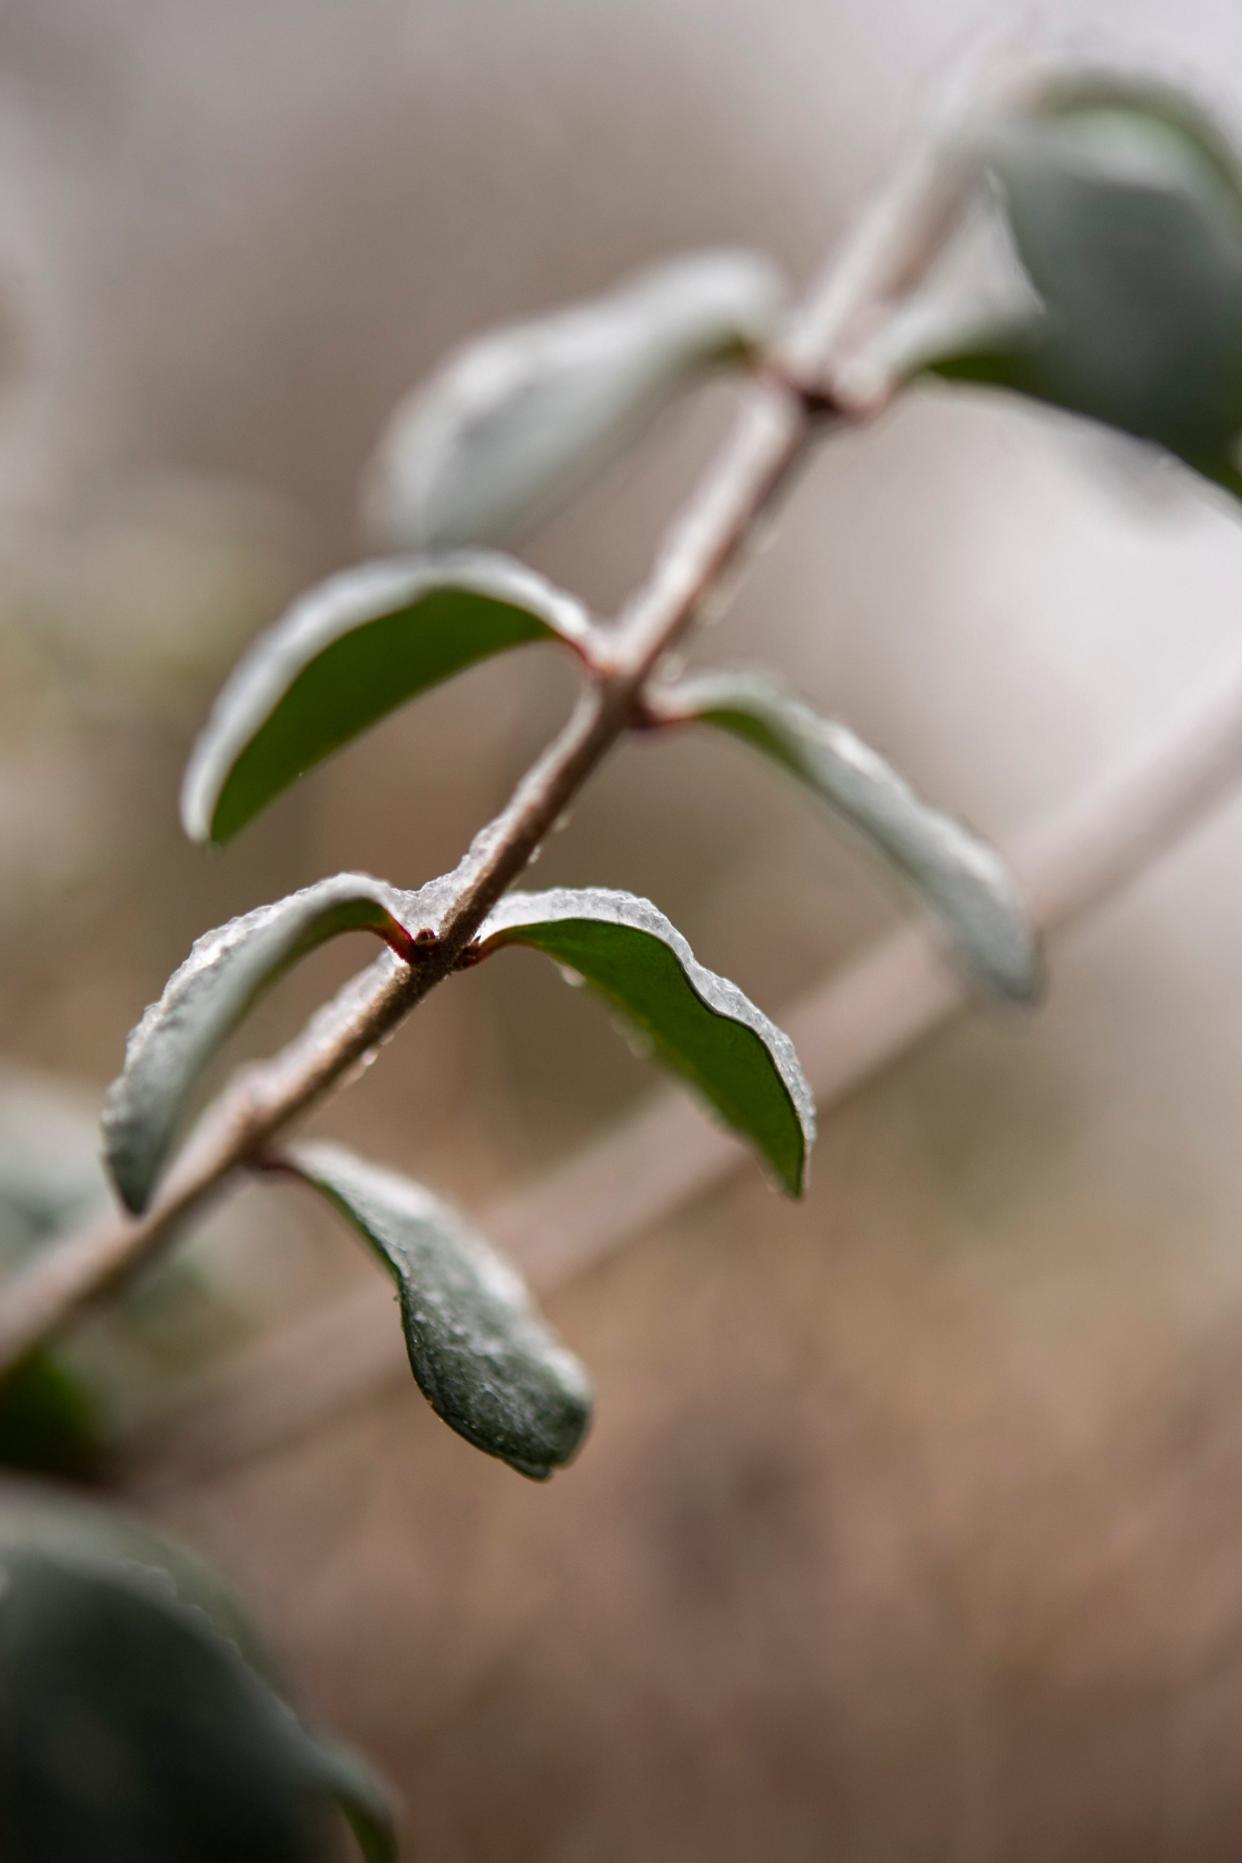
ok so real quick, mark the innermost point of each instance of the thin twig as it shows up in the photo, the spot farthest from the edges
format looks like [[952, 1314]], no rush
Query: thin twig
[[784, 412], [661, 1158]]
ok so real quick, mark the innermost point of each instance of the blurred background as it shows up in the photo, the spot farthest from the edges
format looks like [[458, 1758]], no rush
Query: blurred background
[[910, 1524]]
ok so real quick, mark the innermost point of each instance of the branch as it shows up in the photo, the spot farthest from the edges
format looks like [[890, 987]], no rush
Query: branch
[[664, 1156], [784, 413]]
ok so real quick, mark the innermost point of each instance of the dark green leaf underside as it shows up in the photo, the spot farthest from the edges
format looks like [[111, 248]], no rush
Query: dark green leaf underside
[[354, 683], [695, 1023], [345, 656], [481, 1354]]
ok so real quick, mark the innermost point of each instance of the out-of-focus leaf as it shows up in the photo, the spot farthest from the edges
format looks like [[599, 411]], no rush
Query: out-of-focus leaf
[[518, 420], [141, 1722], [51, 1415], [50, 1418], [49, 1159], [60, 1411], [225, 973], [1125, 210], [694, 1022], [483, 1357], [347, 654], [363, 1801], [959, 875]]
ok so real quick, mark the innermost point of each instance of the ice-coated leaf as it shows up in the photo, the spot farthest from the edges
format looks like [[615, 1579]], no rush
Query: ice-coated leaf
[[205, 999], [1124, 207], [484, 1359], [345, 655], [147, 1724], [960, 876], [517, 421], [697, 1024]]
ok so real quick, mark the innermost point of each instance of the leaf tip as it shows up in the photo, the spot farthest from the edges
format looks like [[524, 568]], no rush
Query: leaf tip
[[200, 802], [1025, 983], [215, 804], [793, 1179], [575, 1411], [131, 1168]]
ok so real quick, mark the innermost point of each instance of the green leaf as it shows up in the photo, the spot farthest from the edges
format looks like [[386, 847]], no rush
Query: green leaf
[[224, 975], [1125, 210], [149, 1727], [348, 653], [47, 1521], [363, 1800], [518, 420], [694, 1022], [62, 1409], [483, 1357], [50, 1418], [960, 876]]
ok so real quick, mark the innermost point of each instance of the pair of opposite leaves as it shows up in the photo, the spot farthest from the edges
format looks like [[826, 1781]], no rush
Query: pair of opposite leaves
[[477, 1350], [1122, 203], [1116, 199], [147, 1646]]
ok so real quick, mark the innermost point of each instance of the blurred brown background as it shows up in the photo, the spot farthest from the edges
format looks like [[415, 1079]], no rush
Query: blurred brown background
[[911, 1527]]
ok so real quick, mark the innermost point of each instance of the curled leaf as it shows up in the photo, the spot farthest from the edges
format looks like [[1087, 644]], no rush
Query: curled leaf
[[344, 656], [518, 420], [484, 1359], [224, 975], [960, 876], [697, 1024], [181, 1744], [1124, 206]]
